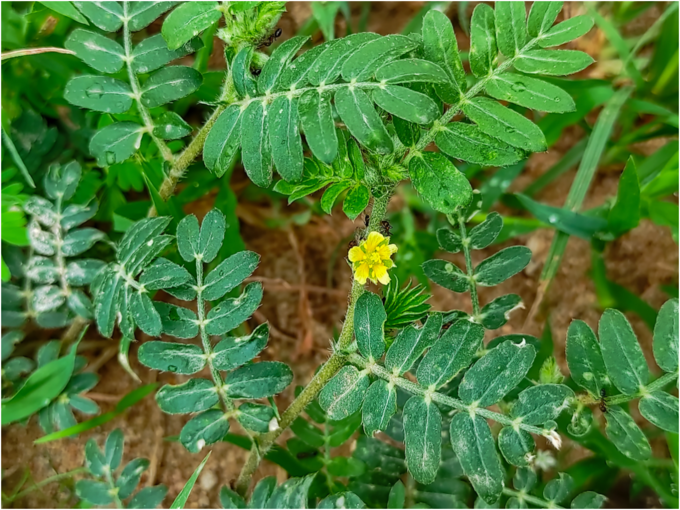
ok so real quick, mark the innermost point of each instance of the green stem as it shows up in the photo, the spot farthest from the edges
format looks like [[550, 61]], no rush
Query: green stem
[[453, 403], [659, 384], [528, 498], [470, 268], [137, 90], [113, 490], [205, 339], [42, 483], [328, 370]]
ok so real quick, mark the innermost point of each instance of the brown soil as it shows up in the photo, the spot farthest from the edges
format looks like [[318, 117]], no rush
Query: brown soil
[[304, 313]]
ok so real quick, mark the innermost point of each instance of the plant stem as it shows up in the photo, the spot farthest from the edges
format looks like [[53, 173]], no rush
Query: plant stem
[[137, 90], [662, 381], [416, 389], [51, 479], [328, 370], [113, 489], [205, 339], [523, 496], [470, 269]]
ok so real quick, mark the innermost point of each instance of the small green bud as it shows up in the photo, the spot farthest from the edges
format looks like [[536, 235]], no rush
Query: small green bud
[[550, 372]]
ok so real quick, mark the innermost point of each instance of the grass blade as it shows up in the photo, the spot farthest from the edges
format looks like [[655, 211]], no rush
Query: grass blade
[[183, 495]]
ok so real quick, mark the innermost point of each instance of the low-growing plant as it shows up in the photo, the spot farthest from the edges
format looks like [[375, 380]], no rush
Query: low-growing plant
[[355, 117]]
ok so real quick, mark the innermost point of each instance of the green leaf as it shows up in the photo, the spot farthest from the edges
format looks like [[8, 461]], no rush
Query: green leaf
[[406, 104], [66, 9], [170, 126], [296, 75], [407, 132], [542, 16], [505, 124], [316, 118], [511, 29], [410, 344], [258, 380], [379, 406], [344, 393], [191, 397], [558, 489], [142, 14], [496, 373], [187, 21], [453, 352], [496, 313], [356, 201], [422, 438], [348, 467], [626, 435], [129, 478], [262, 492], [363, 63], [564, 220], [95, 493], [172, 357], [484, 234], [397, 497], [153, 53], [230, 499], [525, 478], [588, 499], [210, 241], [468, 143], [516, 445], [328, 65], [552, 62], [163, 274], [585, 358], [233, 352], [176, 320], [183, 495], [502, 265], [230, 273], [446, 274], [440, 46], [113, 449], [99, 52], [188, 237], [116, 142], [148, 497], [665, 343], [279, 59], [255, 417], [530, 93], [81, 240], [357, 112], [144, 314], [623, 357], [449, 240], [256, 151], [409, 71], [538, 404], [568, 30], [169, 84], [474, 446], [284, 138], [661, 409], [244, 82], [625, 213], [331, 195], [204, 429], [369, 326], [483, 50], [440, 183], [105, 15], [232, 312], [41, 387], [99, 93]]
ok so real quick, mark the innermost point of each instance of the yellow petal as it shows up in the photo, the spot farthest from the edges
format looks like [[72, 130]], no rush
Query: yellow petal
[[393, 248], [356, 254], [384, 252], [381, 274], [361, 273], [374, 239]]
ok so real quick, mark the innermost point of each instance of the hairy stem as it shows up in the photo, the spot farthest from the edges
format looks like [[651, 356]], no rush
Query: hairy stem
[[659, 384], [205, 339], [453, 403], [469, 267], [136, 89], [528, 498], [328, 370]]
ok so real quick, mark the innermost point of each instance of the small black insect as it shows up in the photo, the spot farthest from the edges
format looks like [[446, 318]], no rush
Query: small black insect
[[387, 228], [447, 325], [271, 38], [306, 455], [256, 72], [367, 219], [278, 33], [353, 243], [603, 404]]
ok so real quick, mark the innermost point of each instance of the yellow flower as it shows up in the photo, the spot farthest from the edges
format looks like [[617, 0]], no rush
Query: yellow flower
[[371, 259]]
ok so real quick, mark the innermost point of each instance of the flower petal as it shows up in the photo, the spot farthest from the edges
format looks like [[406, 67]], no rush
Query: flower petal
[[381, 274], [374, 239], [356, 254], [361, 273]]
